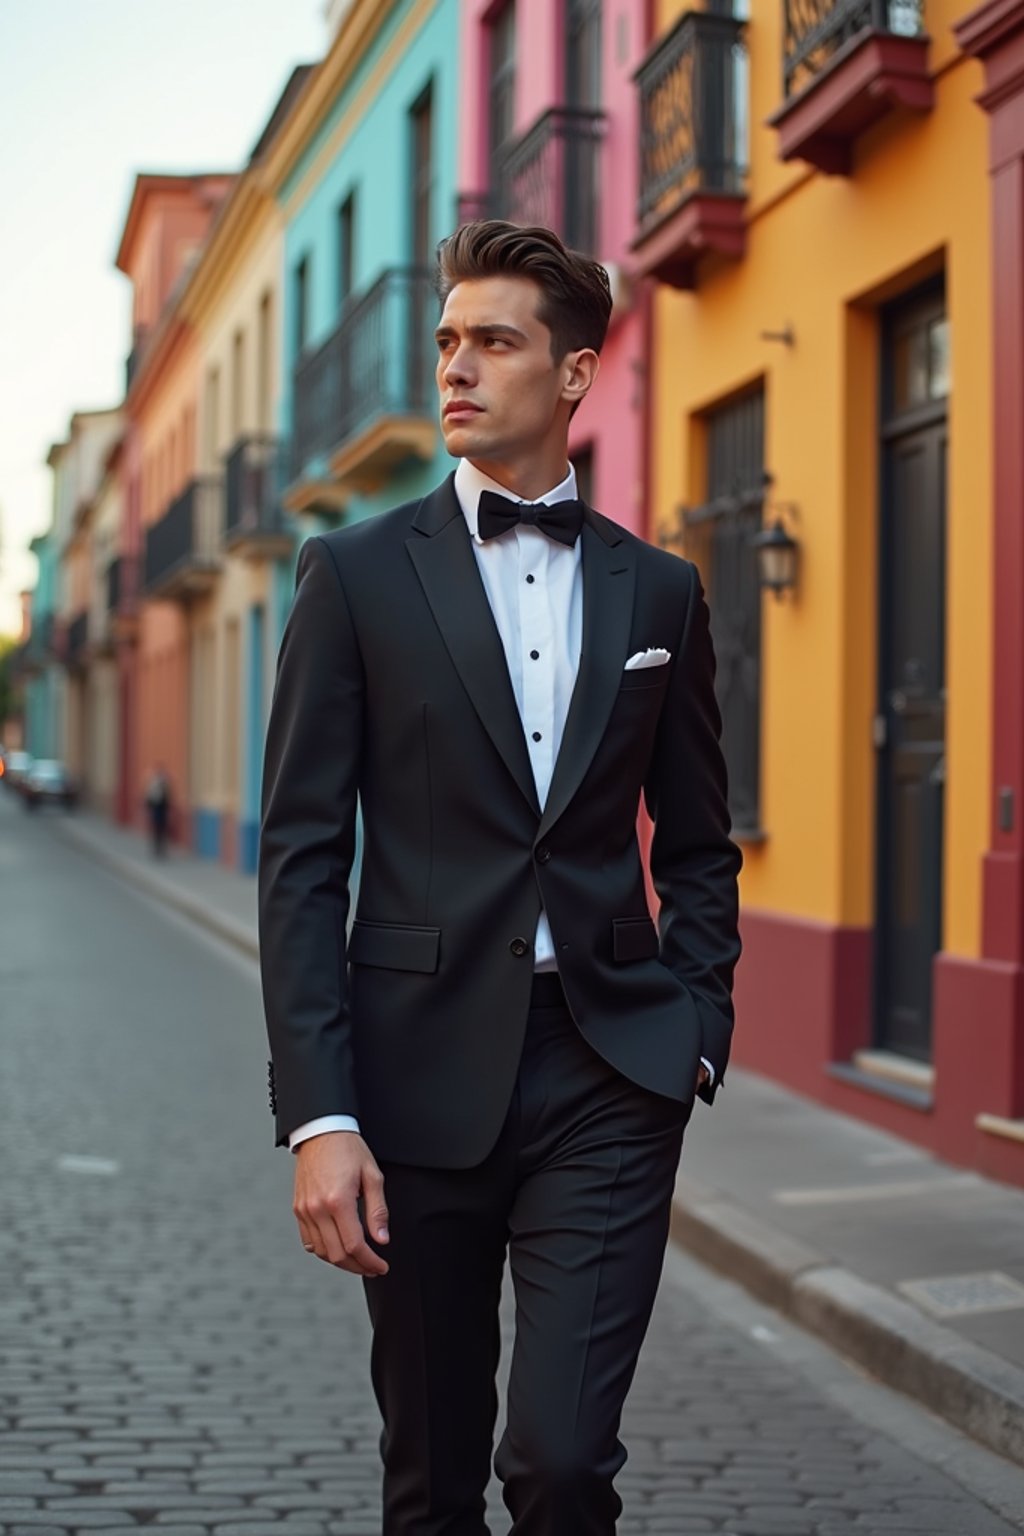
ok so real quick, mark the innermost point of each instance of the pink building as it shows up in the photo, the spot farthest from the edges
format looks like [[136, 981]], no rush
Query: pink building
[[549, 136]]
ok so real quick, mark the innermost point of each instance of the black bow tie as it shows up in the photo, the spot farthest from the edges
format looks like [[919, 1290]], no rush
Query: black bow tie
[[562, 521]]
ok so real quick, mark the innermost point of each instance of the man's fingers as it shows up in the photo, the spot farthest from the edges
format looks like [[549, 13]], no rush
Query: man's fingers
[[332, 1171], [374, 1206], [355, 1247]]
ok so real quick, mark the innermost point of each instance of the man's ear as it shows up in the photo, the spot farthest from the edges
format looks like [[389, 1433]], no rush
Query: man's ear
[[579, 371]]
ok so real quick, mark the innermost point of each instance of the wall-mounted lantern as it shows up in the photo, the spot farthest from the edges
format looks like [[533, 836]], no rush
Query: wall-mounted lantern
[[777, 555]]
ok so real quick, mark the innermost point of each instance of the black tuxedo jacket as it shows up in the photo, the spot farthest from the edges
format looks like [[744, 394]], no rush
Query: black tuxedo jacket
[[393, 690]]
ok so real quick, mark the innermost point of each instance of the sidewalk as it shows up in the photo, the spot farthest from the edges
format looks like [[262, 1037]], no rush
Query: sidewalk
[[910, 1267]]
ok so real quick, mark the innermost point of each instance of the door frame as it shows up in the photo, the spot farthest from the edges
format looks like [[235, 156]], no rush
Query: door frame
[[929, 297]]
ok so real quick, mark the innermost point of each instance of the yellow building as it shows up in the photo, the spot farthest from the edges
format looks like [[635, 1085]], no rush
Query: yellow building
[[817, 212]]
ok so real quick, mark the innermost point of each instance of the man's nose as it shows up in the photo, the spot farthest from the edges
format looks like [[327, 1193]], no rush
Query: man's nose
[[459, 368]]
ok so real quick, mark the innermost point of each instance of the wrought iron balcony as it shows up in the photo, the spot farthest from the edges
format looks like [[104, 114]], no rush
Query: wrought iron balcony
[[131, 365], [254, 521], [182, 547], [845, 64], [693, 106], [77, 640], [550, 176], [364, 400]]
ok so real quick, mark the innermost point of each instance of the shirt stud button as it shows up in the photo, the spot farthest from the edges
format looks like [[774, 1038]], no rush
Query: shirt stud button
[[537, 736], [535, 655], [530, 579]]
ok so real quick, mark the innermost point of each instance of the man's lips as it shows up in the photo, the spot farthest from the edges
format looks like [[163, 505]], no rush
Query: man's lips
[[461, 408]]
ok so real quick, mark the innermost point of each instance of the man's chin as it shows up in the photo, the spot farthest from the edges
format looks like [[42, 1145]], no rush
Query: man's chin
[[463, 443]]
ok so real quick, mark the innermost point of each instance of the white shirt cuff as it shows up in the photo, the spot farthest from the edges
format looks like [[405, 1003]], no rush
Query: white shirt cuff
[[711, 1071], [320, 1127]]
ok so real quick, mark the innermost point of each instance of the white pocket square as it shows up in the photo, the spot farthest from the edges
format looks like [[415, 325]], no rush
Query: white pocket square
[[650, 658]]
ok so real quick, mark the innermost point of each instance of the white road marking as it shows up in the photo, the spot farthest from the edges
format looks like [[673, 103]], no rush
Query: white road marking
[[75, 1162]]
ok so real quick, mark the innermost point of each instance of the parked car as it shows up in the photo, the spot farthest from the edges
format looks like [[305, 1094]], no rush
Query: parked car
[[48, 782], [16, 766]]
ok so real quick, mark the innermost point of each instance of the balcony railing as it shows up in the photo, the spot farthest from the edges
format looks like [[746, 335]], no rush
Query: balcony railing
[[77, 639], [182, 548], [253, 516], [845, 64], [691, 133], [373, 372], [693, 112], [550, 176], [815, 31]]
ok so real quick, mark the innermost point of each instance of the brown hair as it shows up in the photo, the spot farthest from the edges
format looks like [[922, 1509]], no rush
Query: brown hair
[[576, 299]]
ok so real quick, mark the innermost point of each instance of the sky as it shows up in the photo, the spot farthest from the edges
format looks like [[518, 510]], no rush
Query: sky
[[92, 91]]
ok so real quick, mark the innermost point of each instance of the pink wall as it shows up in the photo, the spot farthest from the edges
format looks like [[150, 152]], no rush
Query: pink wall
[[613, 419]]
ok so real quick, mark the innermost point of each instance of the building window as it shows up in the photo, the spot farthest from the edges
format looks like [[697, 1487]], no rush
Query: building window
[[301, 306], [583, 53], [346, 248], [502, 80], [211, 420], [718, 539], [264, 371], [237, 385], [422, 124]]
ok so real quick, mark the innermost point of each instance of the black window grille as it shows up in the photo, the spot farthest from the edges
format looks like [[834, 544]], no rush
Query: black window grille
[[502, 82], [719, 538]]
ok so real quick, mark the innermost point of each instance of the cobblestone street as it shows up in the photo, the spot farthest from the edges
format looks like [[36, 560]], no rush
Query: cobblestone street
[[170, 1357]]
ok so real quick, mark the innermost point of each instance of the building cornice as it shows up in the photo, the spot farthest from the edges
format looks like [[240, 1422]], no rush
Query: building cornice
[[322, 89]]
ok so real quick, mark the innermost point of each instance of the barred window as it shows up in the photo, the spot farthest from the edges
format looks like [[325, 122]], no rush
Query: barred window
[[719, 538]]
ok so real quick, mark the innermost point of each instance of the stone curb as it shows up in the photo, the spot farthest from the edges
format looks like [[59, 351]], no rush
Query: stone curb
[[194, 908], [962, 1382]]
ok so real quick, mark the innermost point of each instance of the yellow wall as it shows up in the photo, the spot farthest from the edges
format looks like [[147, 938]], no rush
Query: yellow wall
[[822, 252]]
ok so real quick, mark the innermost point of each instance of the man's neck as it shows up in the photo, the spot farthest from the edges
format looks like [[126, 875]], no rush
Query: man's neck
[[528, 481]]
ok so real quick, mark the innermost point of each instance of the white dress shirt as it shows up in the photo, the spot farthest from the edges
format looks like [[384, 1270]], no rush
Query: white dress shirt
[[535, 588]]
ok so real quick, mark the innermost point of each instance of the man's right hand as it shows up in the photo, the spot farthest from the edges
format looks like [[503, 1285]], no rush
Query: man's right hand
[[332, 1171]]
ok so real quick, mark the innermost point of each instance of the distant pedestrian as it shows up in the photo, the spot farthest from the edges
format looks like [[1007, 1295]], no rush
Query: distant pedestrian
[[158, 808]]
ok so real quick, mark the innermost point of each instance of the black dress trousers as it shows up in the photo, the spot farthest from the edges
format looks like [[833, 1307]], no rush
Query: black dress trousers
[[577, 1191]]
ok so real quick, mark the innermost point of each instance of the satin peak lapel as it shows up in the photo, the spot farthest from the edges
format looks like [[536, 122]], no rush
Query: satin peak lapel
[[450, 579], [609, 583]]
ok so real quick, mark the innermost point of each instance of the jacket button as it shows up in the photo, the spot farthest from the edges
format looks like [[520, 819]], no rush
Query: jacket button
[[543, 854], [519, 947]]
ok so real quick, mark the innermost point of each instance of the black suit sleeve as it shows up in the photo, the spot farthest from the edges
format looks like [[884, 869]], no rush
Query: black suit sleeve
[[307, 843], [694, 863]]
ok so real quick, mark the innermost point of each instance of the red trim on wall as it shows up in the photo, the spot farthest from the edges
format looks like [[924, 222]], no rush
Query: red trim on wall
[[803, 1002]]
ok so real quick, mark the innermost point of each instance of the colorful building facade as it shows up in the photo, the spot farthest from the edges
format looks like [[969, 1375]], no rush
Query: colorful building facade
[[824, 362], [549, 136], [364, 173]]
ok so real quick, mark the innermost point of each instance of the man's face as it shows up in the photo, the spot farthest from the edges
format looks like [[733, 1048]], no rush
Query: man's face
[[501, 391]]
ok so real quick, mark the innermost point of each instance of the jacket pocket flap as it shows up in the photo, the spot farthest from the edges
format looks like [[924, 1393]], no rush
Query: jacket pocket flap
[[394, 946], [634, 938]]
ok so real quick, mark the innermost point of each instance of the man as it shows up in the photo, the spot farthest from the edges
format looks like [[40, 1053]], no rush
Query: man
[[500, 1057]]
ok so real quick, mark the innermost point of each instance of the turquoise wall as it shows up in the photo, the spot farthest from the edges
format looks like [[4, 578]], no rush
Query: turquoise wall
[[376, 162]]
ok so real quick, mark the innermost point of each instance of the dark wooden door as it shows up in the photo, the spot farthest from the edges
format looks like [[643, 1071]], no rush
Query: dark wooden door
[[911, 722]]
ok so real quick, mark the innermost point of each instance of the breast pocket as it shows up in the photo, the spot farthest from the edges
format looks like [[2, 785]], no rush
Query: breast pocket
[[644, 678]]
